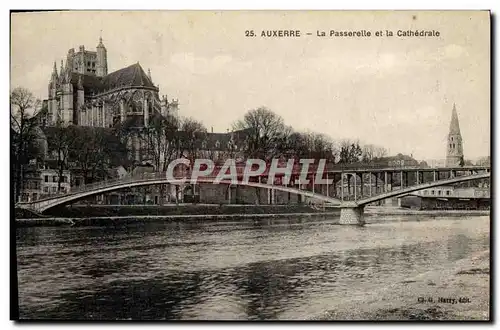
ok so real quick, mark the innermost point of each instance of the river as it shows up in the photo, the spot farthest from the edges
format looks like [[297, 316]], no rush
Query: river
[[276, 269]]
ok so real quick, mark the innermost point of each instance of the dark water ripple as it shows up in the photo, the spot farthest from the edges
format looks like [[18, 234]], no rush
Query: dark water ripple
[[277, 270]]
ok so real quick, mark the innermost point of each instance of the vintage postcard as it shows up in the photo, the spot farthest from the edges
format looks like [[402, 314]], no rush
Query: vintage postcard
[[251, 165]]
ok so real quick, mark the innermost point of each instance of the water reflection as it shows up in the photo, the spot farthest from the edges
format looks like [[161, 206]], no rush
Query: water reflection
[[227, 271]]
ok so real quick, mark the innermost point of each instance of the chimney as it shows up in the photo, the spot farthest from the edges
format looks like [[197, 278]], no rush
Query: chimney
[[212, 129]]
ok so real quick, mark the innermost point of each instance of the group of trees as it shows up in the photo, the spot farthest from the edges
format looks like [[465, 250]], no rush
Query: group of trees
[[269, 137], [23, 124], [167, 138]]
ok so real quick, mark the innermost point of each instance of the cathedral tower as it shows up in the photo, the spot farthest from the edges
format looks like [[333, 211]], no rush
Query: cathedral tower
[[102, 59], [455, 153]]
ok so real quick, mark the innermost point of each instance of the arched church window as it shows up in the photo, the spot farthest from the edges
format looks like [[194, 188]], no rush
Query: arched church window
[[452, 138]]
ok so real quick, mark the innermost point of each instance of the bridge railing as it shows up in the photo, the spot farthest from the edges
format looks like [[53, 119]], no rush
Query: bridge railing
[[178, 174]]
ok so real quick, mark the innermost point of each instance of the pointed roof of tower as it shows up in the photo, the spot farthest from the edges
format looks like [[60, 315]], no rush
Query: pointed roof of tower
[[54, 73], [454, 125], [62, 69], [100, 45]]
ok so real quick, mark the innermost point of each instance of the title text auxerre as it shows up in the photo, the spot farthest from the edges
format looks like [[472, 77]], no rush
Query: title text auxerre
[[342, 33]]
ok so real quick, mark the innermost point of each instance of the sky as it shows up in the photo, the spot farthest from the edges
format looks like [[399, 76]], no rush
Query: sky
[[397, 92]]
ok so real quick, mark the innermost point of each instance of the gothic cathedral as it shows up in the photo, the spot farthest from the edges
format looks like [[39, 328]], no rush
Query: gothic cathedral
[[83, 93]]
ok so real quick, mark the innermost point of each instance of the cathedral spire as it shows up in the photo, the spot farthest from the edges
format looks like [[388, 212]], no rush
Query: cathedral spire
[[455, 153], [454, 125], [62, 68], [54, 72]]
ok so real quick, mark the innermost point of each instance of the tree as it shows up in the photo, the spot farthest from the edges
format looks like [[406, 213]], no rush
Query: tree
[[266, 133], [194, 132], [23, 123], [61, 142], [94, 150], [371, 153], [462, 161], [350, 152], [162, 142]]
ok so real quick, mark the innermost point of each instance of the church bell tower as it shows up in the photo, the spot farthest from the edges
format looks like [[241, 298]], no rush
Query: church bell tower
[[455, 153]]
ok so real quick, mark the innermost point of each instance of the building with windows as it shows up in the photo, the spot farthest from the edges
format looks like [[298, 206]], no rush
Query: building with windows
[[449, 197], [49, 182]]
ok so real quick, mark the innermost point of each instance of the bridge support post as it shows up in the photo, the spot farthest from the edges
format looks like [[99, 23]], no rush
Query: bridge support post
[[355, 186], [327, 187], [370, 178], [362, 186], [342, 186], [385, 182], [352, 215]]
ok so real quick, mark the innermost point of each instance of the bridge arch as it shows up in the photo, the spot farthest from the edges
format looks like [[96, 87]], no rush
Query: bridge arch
[[54, 201], [405, 191]]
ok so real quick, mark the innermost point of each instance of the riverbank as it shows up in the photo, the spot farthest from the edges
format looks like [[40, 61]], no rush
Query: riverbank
[[383, 210], [464, 289], [123, 220], [113, 215]]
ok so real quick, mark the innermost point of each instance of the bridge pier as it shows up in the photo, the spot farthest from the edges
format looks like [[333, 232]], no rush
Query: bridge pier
[[352, 215]]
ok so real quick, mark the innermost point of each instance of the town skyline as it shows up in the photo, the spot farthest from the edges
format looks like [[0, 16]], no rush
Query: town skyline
[[228, 77]]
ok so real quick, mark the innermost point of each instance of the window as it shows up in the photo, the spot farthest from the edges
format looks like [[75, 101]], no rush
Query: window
[[46, 177], [35, 196], [54, 178], [447, 193], [46, 189], [217, 144], [426, 192], [439, 192], [64, 179], [432, 192], [54, 189], [452, 138]]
